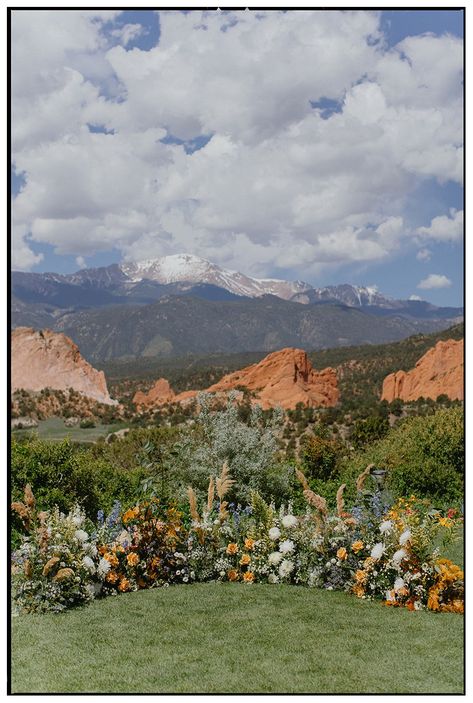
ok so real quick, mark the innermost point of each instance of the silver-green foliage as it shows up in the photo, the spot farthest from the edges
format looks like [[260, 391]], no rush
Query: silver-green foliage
[[249, 448]]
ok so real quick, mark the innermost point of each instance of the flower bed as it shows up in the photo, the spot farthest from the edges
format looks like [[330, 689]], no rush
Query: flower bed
[[372, 551]]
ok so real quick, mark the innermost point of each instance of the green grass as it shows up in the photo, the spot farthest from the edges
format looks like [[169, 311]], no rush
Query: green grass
[[55, 430], [236, 638]]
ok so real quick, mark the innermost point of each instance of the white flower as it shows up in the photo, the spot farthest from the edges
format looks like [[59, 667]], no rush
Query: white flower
[[272, 578], [77, 520], [81, 535], [405, 537], [89, 564], [333, 560], [390, 597], [90, 590], [185, 579], [274, 533], [286, 546], [399, 556], [289, 521], [378, 550], [385, 526], [286, 567], [275, 557], [103, 567], [399, 583]]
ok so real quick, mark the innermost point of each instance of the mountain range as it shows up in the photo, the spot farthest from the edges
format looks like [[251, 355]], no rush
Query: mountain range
[[184, 304]]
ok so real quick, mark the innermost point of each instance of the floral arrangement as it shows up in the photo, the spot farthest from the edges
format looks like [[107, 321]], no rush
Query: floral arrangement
[[390, 553]]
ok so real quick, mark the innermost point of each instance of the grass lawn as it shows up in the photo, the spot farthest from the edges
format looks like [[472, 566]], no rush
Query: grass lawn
[[237, 638], [54, 429]]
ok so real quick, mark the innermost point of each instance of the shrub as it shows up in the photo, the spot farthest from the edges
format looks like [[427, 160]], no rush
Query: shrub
[[368, 430], [422, 455], [319, 457]]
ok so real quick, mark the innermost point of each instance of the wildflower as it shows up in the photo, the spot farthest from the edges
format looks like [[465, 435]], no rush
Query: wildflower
[[124, 585], [385, 526], [112, 577], [245, 560], [342, 553], [275, 557], [274, 533], [111, 558], [81, 535], [390, 597], [232, 548], [131, 514], [132, 559], [357, 546], [233, 575], [405, 537], [378, 550], [286, 567], [286, 546], [445, 522], [248, 577], [289, 521], [249, 543], [272, 578], [89, 564], [399, 556], [358, 590]]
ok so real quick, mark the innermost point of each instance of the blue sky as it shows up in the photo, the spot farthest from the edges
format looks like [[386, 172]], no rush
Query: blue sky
[[257, 142]]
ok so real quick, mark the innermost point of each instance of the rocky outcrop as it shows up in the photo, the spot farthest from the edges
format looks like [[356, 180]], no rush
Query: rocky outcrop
[[438, 372], [159, 394], [45, 359], [283, 378]]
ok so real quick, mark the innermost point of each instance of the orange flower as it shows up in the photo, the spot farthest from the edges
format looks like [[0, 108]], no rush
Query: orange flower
[[342, 553], [369, 561], [357, 546], [111, 558], [133, 559], [131, 514], [232, 548], [245, 560], [233, 575], [360, 576], [63, 575], [249, 543], [112, 577], [124, 585], [358, 590], [248, 577]]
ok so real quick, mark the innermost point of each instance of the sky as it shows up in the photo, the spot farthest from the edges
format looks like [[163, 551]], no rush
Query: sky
[[323, 146]]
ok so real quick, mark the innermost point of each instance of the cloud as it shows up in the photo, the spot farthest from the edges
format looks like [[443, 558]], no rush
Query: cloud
[[424, 254], [278, 185], [434, 280], [81, 262], [415, 297], [127, 33], [444, 228]]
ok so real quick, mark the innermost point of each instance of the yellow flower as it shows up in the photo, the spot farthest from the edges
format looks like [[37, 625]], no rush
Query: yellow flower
[[124, 585], [445, 522], [245, 559], [358, 590], [357, 545], [130, 514], [342, 553], [369, 561], [133, 559], [248, 576], [232, 548], [249, 543], [233, 575]]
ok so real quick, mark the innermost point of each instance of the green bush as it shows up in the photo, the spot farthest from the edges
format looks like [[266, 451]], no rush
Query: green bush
[[368, 430], [319, 457], [423, 455]]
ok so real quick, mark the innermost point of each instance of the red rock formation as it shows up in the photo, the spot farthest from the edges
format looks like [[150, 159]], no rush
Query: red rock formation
[[159, 394], [438, 372], [282, 378], [45, 359]]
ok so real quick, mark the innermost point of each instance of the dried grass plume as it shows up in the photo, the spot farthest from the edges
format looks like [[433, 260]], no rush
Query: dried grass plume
[[360, 481]]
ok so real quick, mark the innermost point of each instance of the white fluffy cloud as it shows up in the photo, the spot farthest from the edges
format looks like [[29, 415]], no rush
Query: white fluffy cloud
[[278, 185], [424, 254], [434, 280], [444, 228]]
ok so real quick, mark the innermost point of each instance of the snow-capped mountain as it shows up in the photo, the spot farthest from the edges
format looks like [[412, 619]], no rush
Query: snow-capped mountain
[[189, 268], [353, 296]]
